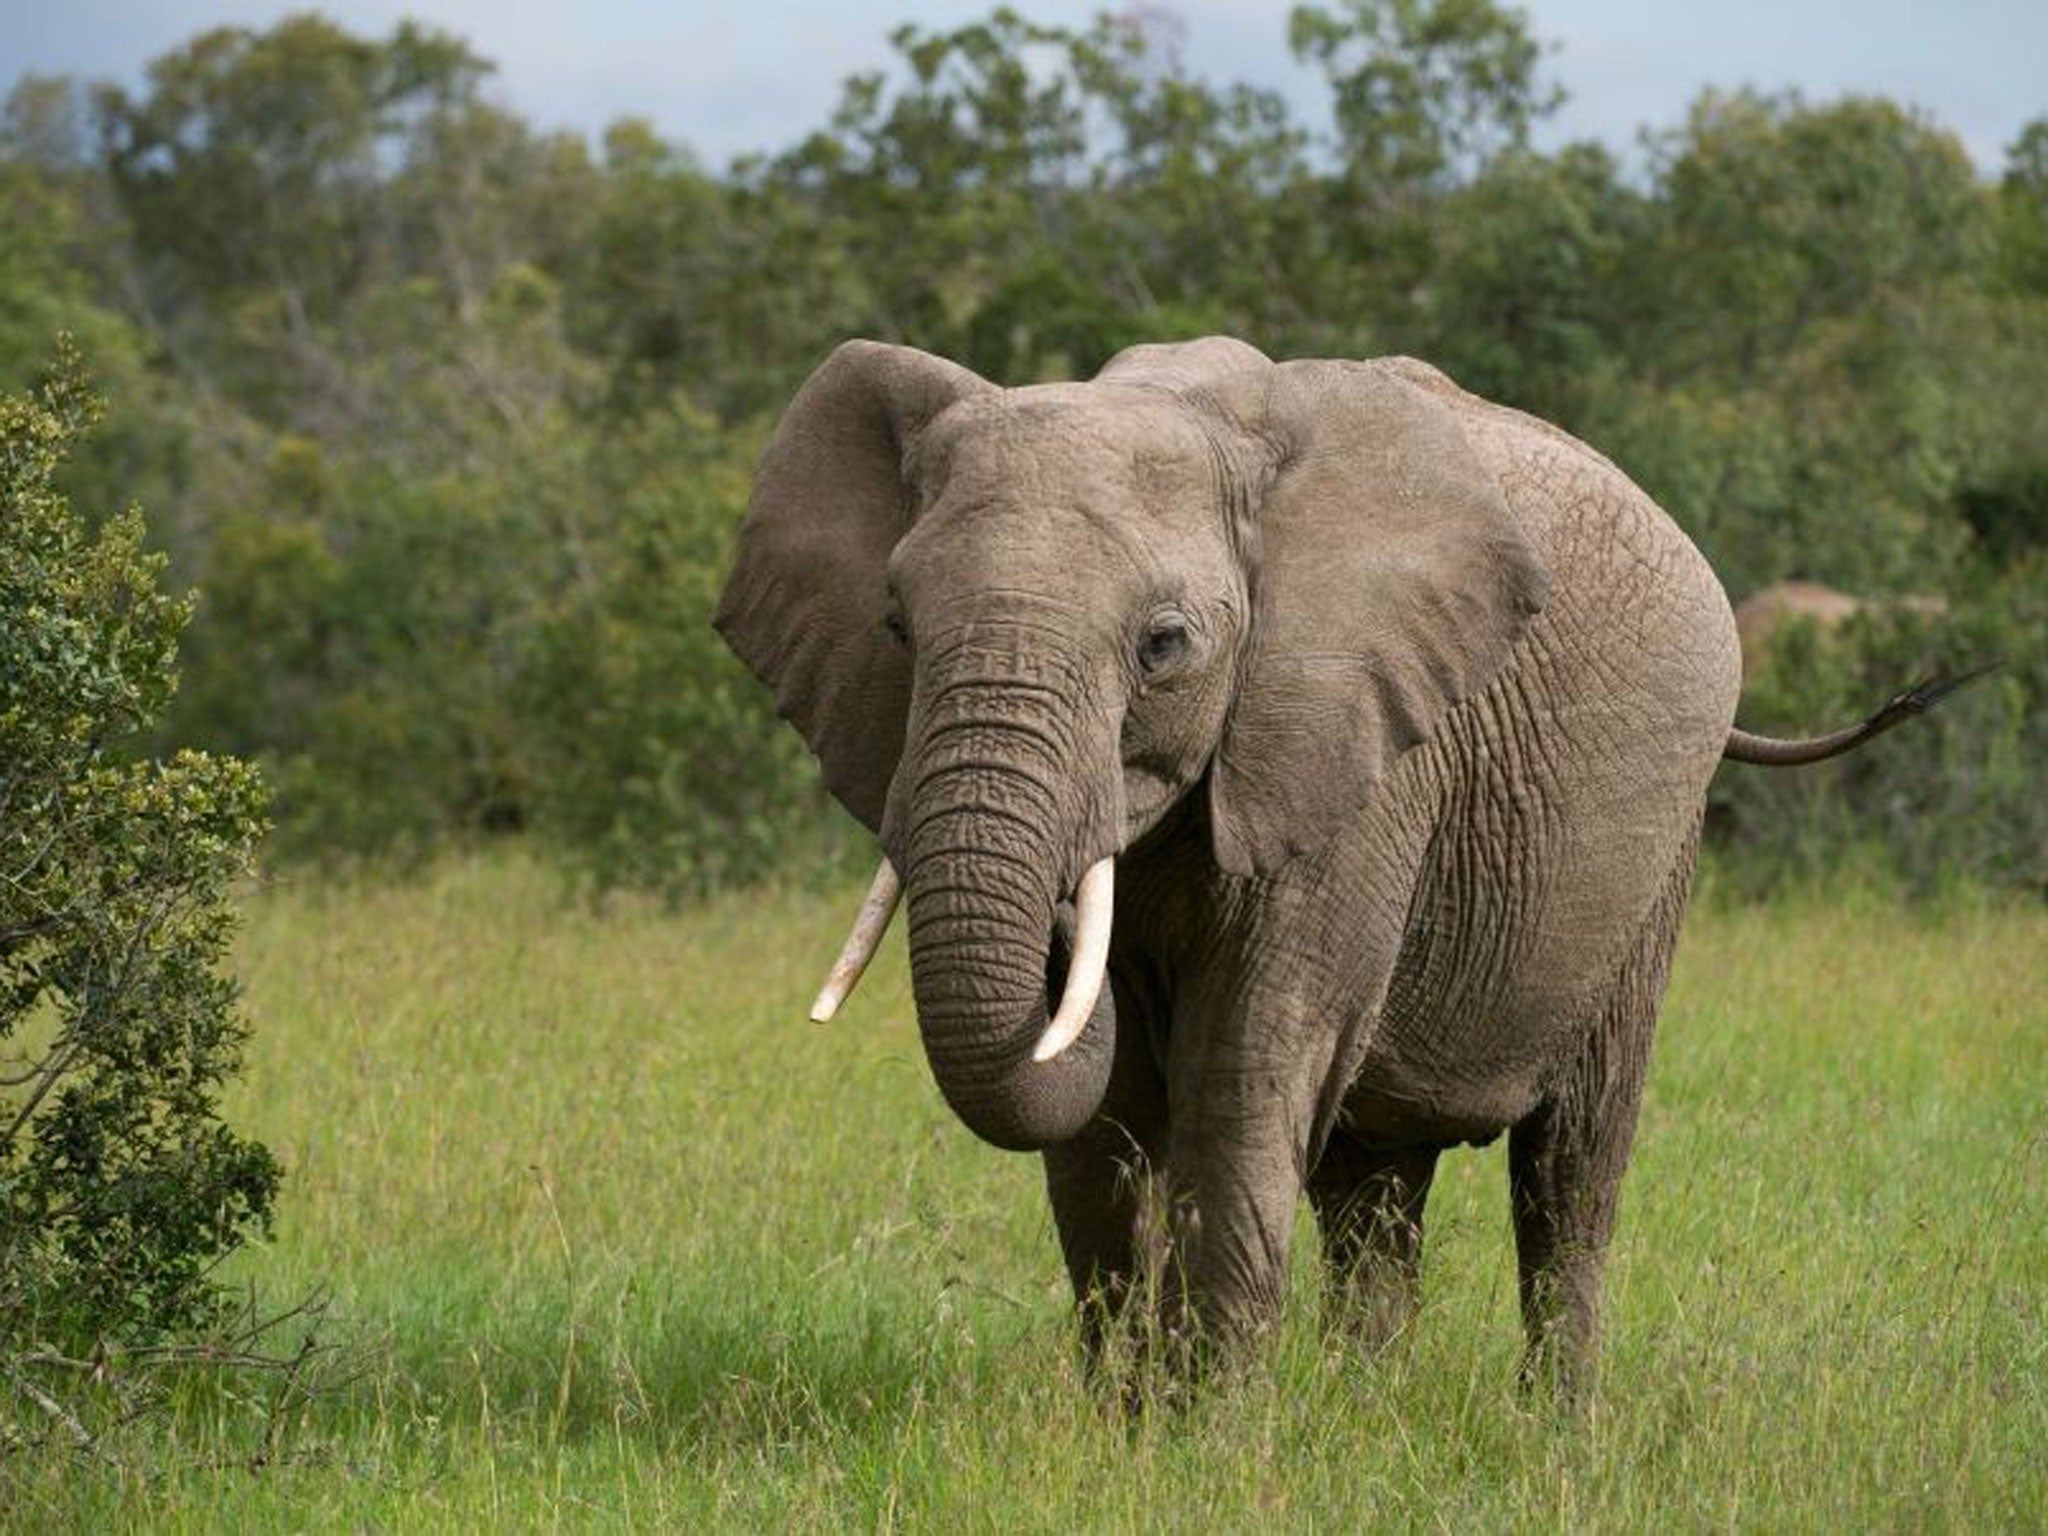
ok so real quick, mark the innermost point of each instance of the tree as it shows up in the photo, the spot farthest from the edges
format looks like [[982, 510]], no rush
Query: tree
[[1427, 92], [934, 191], [1031, 199], [1532, 297], [252, 177], [450, 415], [2023, 212], [1781, 217], [1426, 95], [1797, 302], [255, 158], [49, 225], [119, 1186]]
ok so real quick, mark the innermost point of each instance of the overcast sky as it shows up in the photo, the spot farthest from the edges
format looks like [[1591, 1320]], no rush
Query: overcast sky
[[726, 79]]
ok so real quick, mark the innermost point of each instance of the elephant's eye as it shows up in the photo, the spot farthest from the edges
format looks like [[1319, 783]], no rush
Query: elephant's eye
[[1164, 644], [899, 631]]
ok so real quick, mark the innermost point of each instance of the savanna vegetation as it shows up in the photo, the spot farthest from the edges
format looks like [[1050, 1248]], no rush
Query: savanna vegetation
[[450, 416], [617, 1241], [443, 421]]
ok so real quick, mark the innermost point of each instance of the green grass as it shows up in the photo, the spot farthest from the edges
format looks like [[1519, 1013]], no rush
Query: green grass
[[628, 1244]]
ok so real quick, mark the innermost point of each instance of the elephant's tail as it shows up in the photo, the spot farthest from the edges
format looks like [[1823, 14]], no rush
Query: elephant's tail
[[1748, 747]]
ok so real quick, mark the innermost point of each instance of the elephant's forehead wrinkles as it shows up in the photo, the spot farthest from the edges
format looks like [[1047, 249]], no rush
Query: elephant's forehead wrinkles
[[1048, 496], [1049, 435], [1130, 489], [1060, 542], [1068, 517], [1002, 469]]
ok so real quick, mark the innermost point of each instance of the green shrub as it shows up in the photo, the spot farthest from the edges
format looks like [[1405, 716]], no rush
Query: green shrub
[[119, 1186], [657, 760], [420, 660], [1957, 793]]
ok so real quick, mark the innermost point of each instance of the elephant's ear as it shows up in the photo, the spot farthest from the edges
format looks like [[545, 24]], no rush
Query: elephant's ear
[[1391, 581], [805, 605]]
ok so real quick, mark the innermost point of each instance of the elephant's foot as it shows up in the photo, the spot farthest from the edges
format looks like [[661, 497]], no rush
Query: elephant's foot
[[1164, 1340], [1561, 1315]]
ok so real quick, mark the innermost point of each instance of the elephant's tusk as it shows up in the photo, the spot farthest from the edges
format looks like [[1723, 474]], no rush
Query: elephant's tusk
[[861, 944], [1094, 906]]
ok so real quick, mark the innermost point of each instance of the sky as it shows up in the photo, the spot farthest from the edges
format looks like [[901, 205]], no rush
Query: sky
[[728, 79]]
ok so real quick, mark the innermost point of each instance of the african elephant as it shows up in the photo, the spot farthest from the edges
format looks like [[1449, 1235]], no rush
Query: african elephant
[[1762, 618], [1355, 729]]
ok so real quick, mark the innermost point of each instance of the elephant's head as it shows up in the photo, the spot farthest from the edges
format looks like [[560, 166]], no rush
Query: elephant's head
[[1018, 626]]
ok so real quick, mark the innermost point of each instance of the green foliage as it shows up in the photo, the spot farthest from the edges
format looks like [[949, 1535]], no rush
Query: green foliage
[[255, 161], [1424, 89], [1789, 217], [656, 760], [119, 1187], [1793, 396], [451, 416], [1426, 94], [1534, 262], [2022, 226], [42, 222], [1958, 790], [532, 641]]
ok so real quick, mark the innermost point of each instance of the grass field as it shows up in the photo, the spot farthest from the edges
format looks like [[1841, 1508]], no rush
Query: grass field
[[626, 1243]]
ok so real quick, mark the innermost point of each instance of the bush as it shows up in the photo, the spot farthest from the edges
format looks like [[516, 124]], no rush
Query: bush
[[657, 760], [420, 660], [1954, 794], [119, 1187]]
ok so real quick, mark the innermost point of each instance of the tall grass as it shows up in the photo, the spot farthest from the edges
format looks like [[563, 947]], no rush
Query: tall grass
[[630, 1245]]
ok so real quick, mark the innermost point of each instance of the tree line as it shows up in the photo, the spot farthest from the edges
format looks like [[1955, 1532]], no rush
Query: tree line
[[449, 417]]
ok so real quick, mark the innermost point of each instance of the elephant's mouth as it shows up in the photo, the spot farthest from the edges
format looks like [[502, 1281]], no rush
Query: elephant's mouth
[[1074, 971]]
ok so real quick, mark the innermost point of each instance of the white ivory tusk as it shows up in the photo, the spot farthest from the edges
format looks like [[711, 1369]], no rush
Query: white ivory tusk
[[1094, 906], [868, 927]]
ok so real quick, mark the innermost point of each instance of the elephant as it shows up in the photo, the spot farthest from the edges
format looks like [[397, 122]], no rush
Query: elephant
[[1762, 617], [1291, 770]]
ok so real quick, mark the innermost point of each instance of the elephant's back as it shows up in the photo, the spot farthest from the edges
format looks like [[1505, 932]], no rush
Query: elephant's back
[[1630, 589]]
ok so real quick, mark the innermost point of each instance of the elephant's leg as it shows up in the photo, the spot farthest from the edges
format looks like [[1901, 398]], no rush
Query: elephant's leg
[[1235, 1180], [1266, 1032], [1565, 1161], [1369, 1203], [1101, 1187], [1226, 1272]]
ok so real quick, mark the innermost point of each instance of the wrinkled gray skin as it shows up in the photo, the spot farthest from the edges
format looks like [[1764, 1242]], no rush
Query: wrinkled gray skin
[[1398, 708]]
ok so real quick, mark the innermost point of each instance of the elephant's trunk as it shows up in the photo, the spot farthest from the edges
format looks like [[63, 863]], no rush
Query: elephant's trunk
[[991, 856]]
